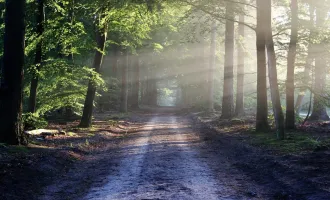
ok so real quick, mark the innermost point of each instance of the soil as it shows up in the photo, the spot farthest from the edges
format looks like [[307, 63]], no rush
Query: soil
[[162, 155]]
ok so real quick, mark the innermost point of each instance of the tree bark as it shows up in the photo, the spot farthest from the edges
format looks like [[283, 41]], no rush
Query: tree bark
[[40, 18], [212, 67], [262, 104], [124, 84], [240, 69], [228, 87], [101, 37], [272, 72], [136, 83], [11, 88], [319, 109], [290, 112]]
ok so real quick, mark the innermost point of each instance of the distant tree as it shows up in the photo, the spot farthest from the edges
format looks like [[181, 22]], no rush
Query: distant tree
[[212, 67], [290, 111], [40, 20], [319, 108], [309, 60], [262, 107], [124, 82], [228, 87], [11, 88], [135, 83], [272, 71], [239, 111]]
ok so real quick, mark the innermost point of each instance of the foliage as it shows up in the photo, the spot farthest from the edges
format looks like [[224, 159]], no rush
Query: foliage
[[63, 85], [33, 121], [109, 99], [294, 142]]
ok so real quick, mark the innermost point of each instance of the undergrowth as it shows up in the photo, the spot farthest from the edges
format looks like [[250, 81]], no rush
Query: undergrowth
[[294, 142]]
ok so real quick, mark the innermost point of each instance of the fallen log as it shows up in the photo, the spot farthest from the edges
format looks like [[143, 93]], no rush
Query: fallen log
[[46, 132]]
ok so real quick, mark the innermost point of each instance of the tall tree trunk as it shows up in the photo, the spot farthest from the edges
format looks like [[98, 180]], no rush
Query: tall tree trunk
[[11, 88], [136, 83], [262, 105], [101, 37], [290, 112], [114, 60], [319, 109], [40, 18], [309, 62], [228, 87], [272, 72], [212, 67], [240, 69], [124, 84]]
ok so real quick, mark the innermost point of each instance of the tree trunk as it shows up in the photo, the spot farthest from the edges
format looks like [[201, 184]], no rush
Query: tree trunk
[[240, 69], [153, 89], [272, 72], [319, 109], [40, 18], [114, 61], [262, 105], [212, 67], [290, 113], [11, 88], [136, 83], [124, 84], [228, 87], [309, 62], [101, 37]]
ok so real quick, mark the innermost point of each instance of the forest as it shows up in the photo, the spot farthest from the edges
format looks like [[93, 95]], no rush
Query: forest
[[121, 84]]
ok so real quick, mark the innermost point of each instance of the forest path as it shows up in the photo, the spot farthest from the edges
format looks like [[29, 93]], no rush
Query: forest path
[[166, 159]]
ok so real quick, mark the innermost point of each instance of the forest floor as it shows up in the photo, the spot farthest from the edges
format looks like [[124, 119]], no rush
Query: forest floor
[[167, 155]]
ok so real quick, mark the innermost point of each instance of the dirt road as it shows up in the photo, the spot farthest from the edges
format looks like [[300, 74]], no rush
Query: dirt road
[[162, 163], [167, 158]]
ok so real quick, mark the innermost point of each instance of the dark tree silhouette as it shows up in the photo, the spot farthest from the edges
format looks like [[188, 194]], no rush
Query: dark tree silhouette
[[11, 87]]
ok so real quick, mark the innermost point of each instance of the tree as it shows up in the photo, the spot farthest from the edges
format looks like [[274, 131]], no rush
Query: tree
[[309, 60], [136, 83], [262, 107], [212, 67], [11, 87], [101, 37], [124, 82], [40, 19], [319, 109], [290, 111], [272, 71], [228, 86], [240, 68]]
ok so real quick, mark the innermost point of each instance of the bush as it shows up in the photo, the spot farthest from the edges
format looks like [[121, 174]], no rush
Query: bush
[[33, 121]]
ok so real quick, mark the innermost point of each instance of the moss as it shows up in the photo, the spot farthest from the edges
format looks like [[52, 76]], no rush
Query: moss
[[294, 142]]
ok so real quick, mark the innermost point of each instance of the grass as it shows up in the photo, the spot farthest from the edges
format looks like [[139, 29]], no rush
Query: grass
[[92, 128], [113, 122], [294, 142]]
